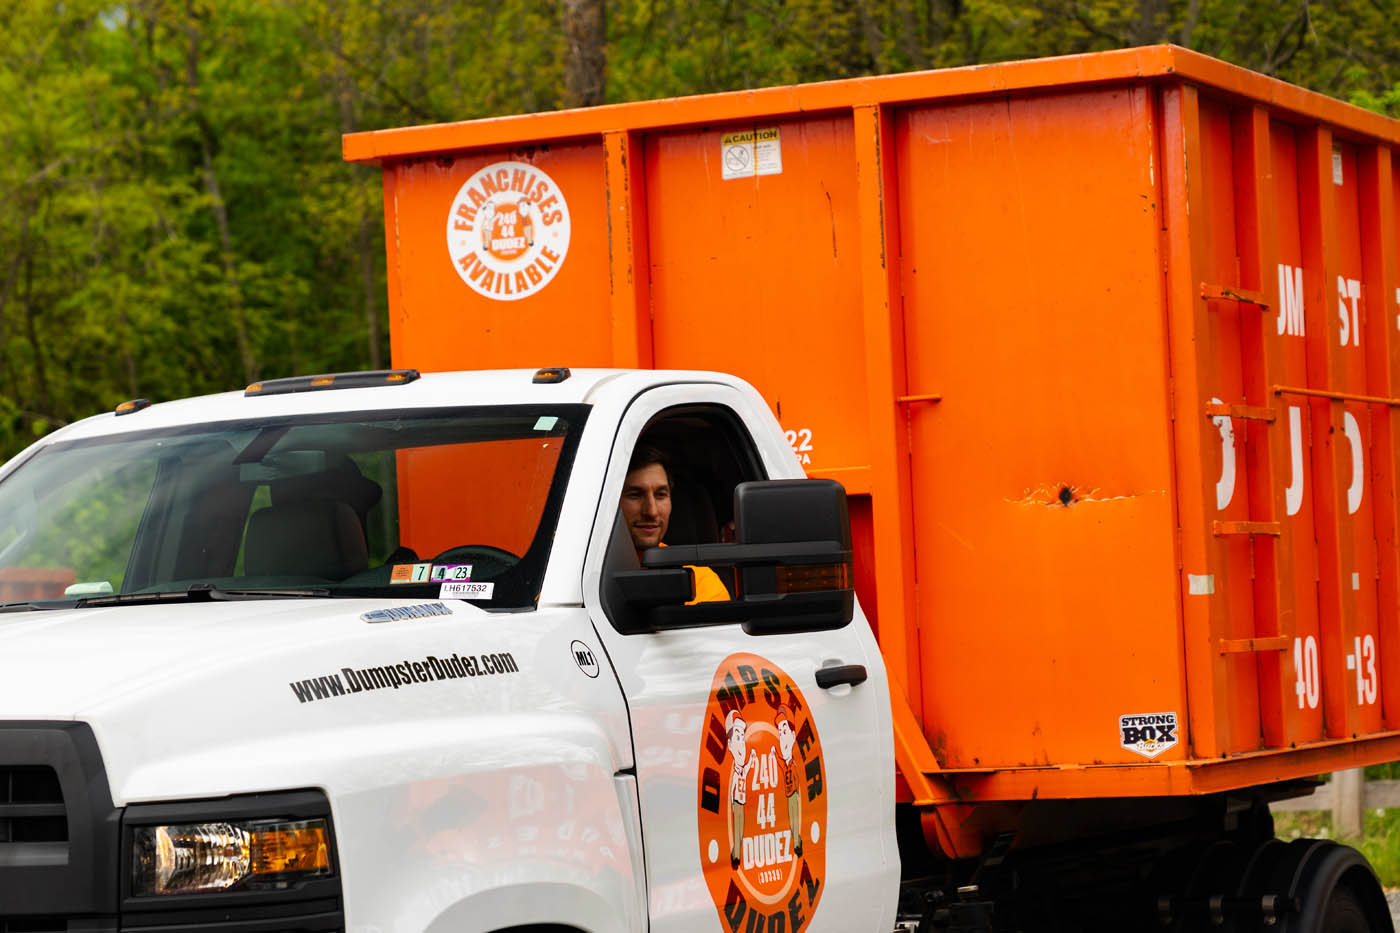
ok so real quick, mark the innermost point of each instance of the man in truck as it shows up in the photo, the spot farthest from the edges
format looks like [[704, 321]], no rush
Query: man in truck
[[646, 510]]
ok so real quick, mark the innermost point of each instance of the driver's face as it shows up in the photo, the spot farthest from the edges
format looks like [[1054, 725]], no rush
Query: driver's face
[[646, 505]]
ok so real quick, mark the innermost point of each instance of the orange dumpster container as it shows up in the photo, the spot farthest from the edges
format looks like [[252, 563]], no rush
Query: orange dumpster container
[[1105, 350]]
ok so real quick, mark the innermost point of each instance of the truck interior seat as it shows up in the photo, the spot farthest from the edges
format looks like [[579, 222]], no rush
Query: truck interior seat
[[342, 481], [693, 520], [692, 514], [312, 538]]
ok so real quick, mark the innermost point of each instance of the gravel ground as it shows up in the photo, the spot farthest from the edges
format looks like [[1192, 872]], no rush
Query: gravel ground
[[1393, 896]]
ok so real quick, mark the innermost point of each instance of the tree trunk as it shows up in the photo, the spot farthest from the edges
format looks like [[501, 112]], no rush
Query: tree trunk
[[216, 198], [585, 59], [1188, 27], [346, 98], [43, 400], [7, 289], [870, 32], [1151, 25]]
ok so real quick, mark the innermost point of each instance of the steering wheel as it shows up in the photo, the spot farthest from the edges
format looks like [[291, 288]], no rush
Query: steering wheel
[[486, 561]]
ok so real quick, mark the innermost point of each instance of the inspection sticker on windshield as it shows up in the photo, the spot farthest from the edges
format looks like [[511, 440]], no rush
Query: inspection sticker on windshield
[[452, 572], [410, 573], [465, 590]]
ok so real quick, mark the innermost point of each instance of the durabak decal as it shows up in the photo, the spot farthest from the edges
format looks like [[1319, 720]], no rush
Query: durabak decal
[[762, 799], [1148, 734], [396, 613], [508, 231], [398, 674]]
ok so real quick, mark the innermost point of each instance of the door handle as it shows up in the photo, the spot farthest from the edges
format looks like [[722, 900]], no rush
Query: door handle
[[828, 677]]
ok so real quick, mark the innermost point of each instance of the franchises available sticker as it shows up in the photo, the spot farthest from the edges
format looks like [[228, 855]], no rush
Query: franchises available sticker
[[508, 231], [1148, 734], [762, 799]]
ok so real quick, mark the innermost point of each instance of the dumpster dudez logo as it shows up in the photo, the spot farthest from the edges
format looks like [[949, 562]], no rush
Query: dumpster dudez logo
[[762, 799], [1148, 734], [508, 231]]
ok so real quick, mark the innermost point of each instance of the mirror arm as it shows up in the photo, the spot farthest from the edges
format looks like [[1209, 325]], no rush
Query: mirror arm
[[743, 555]]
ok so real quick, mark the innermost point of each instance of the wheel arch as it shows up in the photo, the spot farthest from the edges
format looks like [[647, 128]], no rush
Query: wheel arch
[[536, 907]]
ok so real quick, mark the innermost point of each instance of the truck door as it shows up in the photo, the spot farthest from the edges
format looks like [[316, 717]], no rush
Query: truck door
[[767, 801]]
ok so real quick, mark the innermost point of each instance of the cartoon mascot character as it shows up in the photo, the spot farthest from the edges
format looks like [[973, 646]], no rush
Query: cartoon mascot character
[[737, 730], [787, 738], [527, 222], [487, 223]]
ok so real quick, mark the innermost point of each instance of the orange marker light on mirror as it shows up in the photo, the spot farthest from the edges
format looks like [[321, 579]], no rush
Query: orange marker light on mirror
[[807, 578]]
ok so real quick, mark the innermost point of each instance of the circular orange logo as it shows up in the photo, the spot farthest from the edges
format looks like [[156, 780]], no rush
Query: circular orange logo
[[508, 230], [762, 806]]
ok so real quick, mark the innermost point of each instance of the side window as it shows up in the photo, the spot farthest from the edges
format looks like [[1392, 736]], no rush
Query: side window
[[705, 452], [85, 526], [710, 452]]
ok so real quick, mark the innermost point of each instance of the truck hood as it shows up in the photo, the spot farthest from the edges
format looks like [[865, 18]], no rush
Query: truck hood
[[63, 664]]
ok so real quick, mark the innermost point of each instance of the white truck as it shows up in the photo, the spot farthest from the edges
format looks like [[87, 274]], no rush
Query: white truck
[[374, 652]]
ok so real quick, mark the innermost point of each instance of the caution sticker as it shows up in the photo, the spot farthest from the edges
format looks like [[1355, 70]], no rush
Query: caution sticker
[[751, 153], [762, 799], [410, 573], [1148, 734]]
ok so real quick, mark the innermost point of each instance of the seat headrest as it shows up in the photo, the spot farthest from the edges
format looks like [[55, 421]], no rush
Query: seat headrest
[[342, 481], [313, 538], [693, 518]]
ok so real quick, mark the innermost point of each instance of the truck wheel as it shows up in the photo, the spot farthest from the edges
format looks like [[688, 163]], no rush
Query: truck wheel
[[1337, 892], [1345, 913]]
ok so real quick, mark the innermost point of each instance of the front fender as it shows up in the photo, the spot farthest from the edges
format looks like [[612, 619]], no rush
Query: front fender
[[543, 902], [525, 803]]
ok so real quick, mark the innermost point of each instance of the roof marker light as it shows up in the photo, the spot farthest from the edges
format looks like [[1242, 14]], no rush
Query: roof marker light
[[551, 375], [136, 404], [377, 377]]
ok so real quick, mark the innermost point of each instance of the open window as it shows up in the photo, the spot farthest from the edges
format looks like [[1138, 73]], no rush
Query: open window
[[710, 453], [781, 548]]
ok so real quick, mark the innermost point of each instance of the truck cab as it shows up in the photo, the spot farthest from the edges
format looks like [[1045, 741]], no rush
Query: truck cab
[[376, 651]]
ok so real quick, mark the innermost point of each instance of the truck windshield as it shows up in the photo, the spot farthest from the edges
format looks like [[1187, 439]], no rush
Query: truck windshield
[[457, 503]]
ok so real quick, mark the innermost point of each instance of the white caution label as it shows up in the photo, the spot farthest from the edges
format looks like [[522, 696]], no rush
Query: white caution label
[[751, 153]]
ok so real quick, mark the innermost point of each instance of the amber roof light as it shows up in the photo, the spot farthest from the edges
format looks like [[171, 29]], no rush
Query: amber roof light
[[377, 377]]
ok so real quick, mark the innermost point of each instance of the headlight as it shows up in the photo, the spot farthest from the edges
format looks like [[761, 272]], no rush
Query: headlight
[[183, 858]]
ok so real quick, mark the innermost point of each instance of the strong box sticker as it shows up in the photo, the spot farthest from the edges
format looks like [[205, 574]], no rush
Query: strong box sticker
[[762, 799], [1149, 734], [508, 231]]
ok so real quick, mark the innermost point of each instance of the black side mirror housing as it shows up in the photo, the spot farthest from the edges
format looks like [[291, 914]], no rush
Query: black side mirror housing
[[793, 555]]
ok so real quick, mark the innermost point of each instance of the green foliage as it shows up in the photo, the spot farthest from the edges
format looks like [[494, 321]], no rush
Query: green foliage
[[1380, 837], [176, 217]]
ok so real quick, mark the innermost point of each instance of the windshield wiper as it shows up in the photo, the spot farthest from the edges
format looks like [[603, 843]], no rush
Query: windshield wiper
[[199, 593], [36, 606]]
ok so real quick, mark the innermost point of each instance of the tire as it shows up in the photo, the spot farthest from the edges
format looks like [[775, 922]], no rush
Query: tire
[[1337, 892], [1345, 914]]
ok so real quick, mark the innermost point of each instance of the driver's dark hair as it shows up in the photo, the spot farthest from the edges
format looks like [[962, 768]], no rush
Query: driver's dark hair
[[645, 455]]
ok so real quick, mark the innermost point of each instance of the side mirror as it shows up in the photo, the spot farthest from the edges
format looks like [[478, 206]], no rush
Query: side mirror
[[792, 553]]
